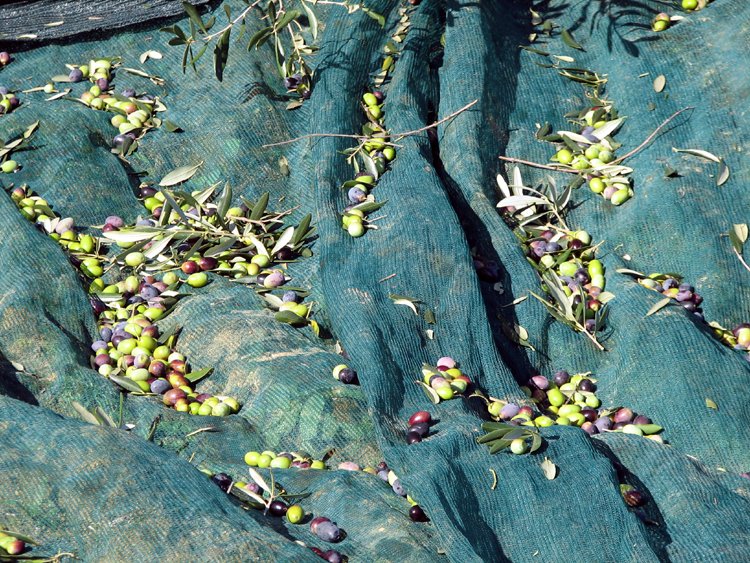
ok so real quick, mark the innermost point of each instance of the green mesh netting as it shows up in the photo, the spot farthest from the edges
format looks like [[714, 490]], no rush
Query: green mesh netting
[[107, 494]]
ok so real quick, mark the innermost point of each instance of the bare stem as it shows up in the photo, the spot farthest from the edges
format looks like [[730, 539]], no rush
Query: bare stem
[[741, 259], [592, 338], [233, 22], [537, 165], [361, 138], [651, 136]]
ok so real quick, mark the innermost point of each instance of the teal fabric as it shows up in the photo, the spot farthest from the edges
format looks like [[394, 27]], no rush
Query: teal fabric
[[105, 494]]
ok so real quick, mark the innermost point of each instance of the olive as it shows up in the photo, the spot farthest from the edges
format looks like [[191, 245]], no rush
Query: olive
[[4, 58], [295, 514], [519, 445], [9, 166], [413, 437], [199, 279], [333, 556], [277, 508], [223, 480], [417, 514]]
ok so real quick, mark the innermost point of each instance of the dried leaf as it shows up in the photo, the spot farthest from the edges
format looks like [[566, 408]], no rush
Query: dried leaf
[[659, 83], [723, 174], [284, 166], [146, 55], [549, 469], [738, 236], [659, 305], [179, 175], [701, 153], [407, 303], [711, 404]]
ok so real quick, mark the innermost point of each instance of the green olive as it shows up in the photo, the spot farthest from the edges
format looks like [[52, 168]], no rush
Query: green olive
[[264, 460], [519, 446], [564, 156], [389, 153], [198, 279], [251, 458], [555, 397], [134, 259], [355, 229], [9, 166], [370, 99], [295, 514], [281, 463]]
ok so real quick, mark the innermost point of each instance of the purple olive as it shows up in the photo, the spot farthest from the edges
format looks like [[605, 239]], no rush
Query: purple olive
[[75, 75], [540, 382], [333, 556], [587, 386], [160, 386], [509, 411], [128, 92], [561, 377], [222, 480], [603, 423], [634, 497], [347, 376], [328, 531], [421, 428], [641, 419], [624, 415], [289, 297], [413, 437], [277, 508], [417, 514]]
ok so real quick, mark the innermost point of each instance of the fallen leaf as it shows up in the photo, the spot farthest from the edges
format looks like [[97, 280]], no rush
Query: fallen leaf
[[711, 405], [549, 469], [659, 83], [658, 306]]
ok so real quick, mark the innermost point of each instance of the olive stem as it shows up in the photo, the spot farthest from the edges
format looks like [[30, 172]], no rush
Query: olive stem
[[234, 21], [537, 165], [362, 137], [741, 259], [651, 136]]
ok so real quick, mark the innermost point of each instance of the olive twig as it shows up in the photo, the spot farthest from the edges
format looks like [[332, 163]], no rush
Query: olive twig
[[741, 259], [651, 136], [537, 165], [231, 24], [361, 137]]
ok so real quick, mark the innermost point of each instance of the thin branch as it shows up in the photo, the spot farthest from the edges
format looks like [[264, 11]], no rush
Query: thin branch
[[741, 259], [233, 22], [650, 137], [435, 124], [537, 165], [361, 138], [614, 162]]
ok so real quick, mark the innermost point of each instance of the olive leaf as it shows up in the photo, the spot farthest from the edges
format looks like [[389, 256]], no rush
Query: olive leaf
[[126, 383], [85, 414], [738, 236], [179, 175], [288, 317], [284, 240], [549, 469], [723, 175], [195, 376], [430, 392], [311, 19], [659, 305], [260, 207], [569, 41], [700, 153], [259, 480], [172, 127]]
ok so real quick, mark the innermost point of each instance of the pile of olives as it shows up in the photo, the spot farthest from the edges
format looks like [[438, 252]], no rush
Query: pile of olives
[[134, 115], [592, 152], [419, 427], [128, 350], [283, 460], [568, 400], [445, 379], [570, 255], [375, 154]]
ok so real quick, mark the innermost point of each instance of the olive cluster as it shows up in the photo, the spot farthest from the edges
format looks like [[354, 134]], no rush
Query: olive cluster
[[567, 400], [682, 293], [134, 114], [283, 460], [571, 256], [445, 380], [375, 154], [129, 350], [592, 152], [419, 427], [11, 545], [8, 102]]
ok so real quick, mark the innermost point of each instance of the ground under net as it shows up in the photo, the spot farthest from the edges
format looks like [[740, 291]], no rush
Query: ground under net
[[134, 495]]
